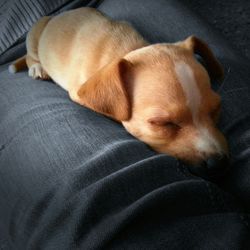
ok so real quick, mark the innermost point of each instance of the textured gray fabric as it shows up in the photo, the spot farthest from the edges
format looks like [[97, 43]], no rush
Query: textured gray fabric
[[18, 16], [59, 138], [232, 22], [73, 179]]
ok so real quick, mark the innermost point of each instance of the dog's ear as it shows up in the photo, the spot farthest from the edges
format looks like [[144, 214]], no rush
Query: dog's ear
[[107, 91], [199, 47]]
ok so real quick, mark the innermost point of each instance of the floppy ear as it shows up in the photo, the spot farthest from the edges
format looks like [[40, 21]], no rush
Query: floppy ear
[[199, 47], [106, 92]]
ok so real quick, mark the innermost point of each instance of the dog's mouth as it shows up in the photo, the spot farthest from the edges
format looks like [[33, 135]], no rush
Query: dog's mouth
[[212, 169]]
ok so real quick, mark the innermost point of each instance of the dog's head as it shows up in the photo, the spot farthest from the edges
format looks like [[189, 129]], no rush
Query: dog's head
[[162, 95]]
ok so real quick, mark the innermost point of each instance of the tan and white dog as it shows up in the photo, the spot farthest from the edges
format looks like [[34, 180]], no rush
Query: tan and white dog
[[160, 93]]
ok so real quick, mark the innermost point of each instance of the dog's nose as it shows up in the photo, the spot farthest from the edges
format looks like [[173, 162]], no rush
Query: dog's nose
[[212, 168], [217, 164]]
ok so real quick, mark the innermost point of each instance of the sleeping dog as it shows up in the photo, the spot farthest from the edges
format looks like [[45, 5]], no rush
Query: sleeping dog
[[160, 93]]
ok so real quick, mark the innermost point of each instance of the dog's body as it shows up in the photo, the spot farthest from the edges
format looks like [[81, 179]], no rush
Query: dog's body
[[160, 93], [83, 42]]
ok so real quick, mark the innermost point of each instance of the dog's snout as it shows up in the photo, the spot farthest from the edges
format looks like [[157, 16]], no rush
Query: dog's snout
[[213, 167], [216, 166], [217, 163]]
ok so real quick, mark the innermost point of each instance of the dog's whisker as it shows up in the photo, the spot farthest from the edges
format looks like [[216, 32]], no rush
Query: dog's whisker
[[226, 77], [236, 90]]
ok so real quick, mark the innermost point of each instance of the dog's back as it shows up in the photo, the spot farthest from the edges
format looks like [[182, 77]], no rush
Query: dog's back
[[75, 44], [71, 47]]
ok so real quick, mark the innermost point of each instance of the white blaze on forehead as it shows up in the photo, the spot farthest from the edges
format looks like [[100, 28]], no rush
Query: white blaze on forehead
[[206, 142], [188, 83]]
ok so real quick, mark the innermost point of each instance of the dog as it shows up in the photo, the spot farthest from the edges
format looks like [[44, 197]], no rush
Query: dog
[[159, 92]]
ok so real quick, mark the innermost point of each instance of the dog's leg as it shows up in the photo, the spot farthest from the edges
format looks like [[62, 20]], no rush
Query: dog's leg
[[36, 70], [73, 93]]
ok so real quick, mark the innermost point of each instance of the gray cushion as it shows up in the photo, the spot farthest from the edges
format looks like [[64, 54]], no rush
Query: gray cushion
[[73, 179]]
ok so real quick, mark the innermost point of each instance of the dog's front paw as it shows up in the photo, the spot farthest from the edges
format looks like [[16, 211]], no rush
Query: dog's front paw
[[37, 72]]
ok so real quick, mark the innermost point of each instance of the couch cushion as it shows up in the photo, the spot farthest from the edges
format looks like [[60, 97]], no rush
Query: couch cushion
[[73, 179]]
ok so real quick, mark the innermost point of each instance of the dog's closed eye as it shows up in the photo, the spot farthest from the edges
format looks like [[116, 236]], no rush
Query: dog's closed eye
[[163, 122]]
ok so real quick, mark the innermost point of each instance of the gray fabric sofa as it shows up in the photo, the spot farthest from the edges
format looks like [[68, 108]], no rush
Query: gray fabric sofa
[[73, 179]]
